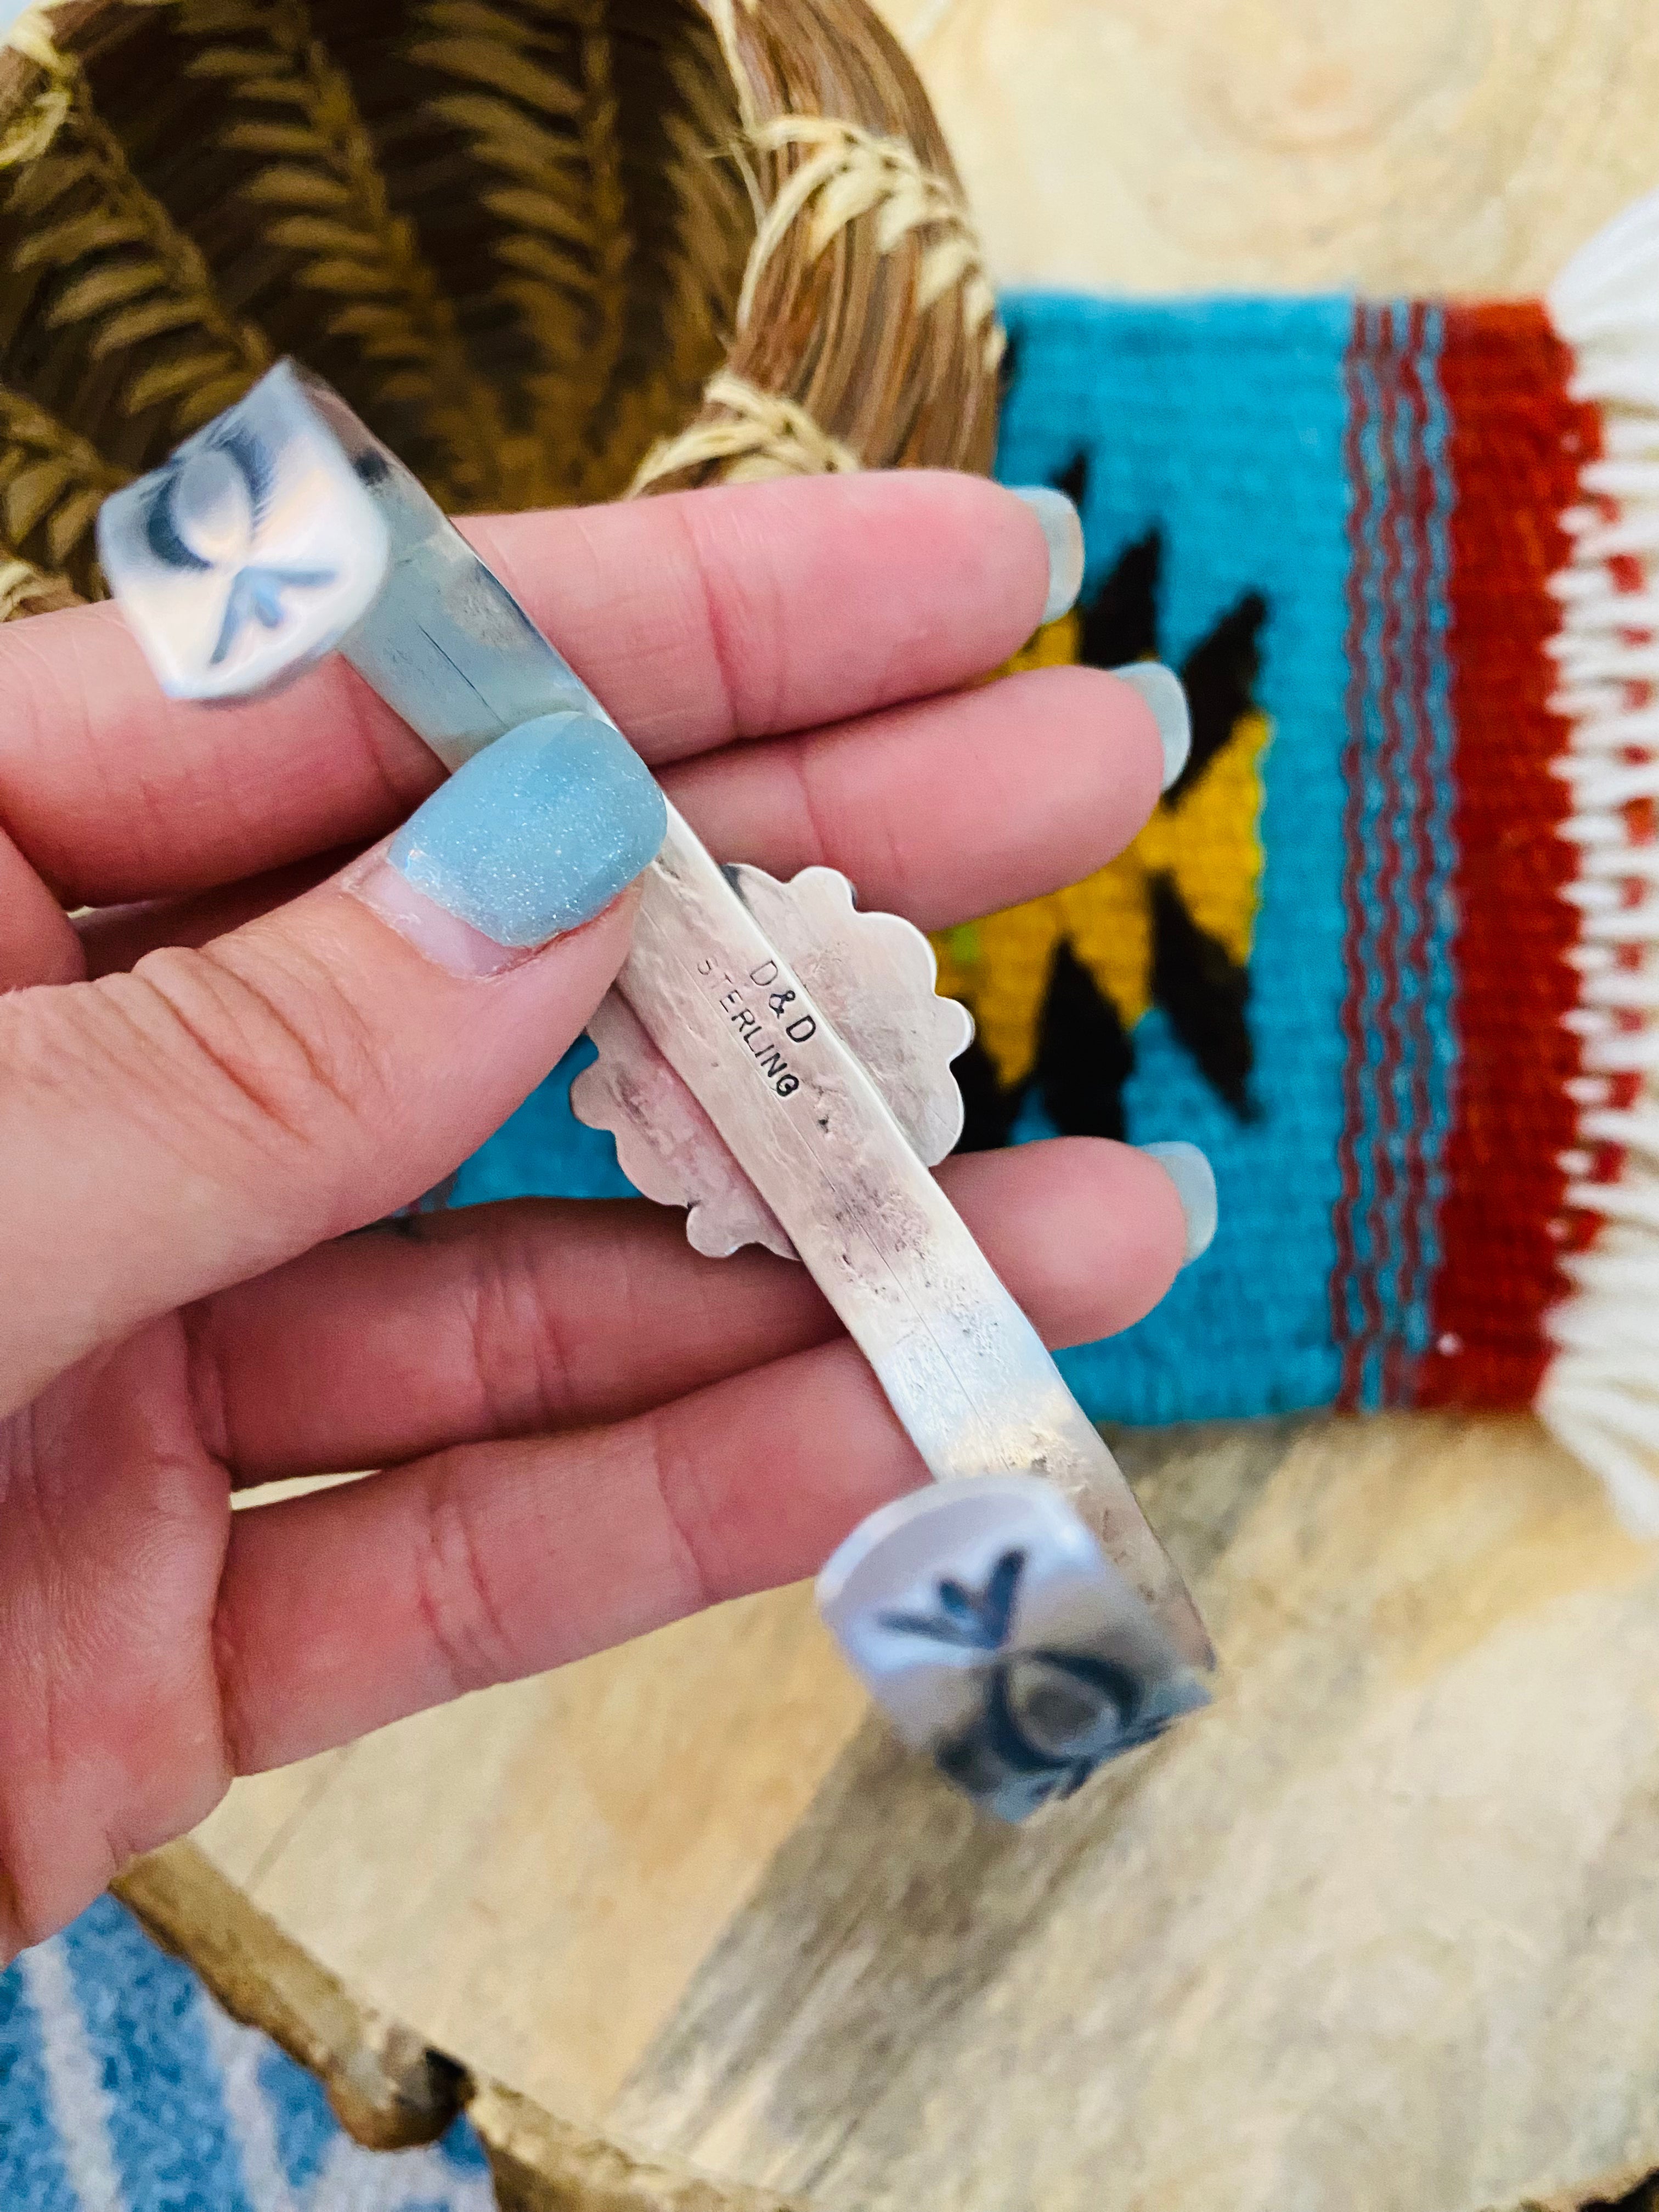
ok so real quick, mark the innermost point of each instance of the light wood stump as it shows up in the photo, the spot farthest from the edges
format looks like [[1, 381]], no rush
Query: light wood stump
[[1383, 1929], [1291, 145]]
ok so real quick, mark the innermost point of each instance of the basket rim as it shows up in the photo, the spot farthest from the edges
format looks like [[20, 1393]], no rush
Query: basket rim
[[860, 224]]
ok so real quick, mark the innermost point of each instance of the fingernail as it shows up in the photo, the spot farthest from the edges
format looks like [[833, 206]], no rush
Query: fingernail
[[531, 837], [1062, 528], [1194, 1182], [446, 941], [1165, 694]]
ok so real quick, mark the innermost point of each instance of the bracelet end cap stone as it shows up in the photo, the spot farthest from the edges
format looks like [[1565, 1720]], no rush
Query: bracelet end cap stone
[[987, 1622], [251, 551]]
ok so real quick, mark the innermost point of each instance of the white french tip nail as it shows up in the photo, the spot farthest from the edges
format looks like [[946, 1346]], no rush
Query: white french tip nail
[[1165, 694], [1194, 1180], [1062, 528]]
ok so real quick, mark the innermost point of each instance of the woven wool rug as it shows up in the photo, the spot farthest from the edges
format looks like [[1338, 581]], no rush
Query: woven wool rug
[[1387, 950], [124, 2087]]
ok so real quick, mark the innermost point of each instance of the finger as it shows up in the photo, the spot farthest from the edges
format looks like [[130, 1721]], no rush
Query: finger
[[699, 618], [941, 811], [503, 1319], [113, 939], [166, 1132], [37, 942], [947, 809], [348, 1608]]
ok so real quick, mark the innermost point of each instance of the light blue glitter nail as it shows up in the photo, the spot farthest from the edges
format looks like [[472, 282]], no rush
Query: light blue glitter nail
[[538, 833], [1062, 532], [1190, 1171]]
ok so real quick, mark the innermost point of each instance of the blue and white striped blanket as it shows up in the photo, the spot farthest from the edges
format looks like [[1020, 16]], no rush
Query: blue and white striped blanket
[[124, 2087]]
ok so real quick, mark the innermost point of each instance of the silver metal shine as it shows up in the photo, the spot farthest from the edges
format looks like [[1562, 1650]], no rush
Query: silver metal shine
[[769, 1057], [448, 646], [963, 1368], [874, 975]]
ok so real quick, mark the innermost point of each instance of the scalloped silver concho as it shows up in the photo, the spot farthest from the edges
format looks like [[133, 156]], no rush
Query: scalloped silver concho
[[873, 974]]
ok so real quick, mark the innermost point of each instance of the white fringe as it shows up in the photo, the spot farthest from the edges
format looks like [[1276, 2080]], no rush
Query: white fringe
[[1601, 1391]]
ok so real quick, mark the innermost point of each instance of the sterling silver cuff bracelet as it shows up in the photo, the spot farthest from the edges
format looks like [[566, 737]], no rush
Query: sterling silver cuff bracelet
[[770, 1058]]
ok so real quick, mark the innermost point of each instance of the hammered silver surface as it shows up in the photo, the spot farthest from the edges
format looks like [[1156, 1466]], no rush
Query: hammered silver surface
[[873, 974], [963, 1367], [666, 1145]]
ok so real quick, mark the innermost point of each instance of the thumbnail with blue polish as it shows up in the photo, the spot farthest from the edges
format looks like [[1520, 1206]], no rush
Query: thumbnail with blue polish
[[538, 833]]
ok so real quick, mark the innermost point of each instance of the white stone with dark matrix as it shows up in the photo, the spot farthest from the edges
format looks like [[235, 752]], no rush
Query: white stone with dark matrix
[[254, 550], [997, 1635]]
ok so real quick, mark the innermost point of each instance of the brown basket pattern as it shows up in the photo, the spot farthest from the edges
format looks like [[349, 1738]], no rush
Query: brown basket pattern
[[552, 250]]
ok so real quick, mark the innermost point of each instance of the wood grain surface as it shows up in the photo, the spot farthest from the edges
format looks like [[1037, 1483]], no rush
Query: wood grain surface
[[530, 1876], [1383, 1929], [1396, 145], [388, 2087], [1380, 1929]]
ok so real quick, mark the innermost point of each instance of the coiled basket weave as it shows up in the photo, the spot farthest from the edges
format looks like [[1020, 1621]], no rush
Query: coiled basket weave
[[552, 250]]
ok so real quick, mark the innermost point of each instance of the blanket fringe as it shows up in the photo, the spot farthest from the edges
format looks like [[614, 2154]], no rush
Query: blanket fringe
[[1601, 1391]]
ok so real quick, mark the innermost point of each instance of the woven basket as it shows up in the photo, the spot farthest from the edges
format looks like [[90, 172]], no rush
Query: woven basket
[[552, 250]]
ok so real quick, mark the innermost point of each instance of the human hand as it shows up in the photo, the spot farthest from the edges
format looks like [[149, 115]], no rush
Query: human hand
[[240, 1058]]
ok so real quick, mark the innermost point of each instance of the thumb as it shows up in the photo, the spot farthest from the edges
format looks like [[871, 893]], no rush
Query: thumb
[[213, 1112]]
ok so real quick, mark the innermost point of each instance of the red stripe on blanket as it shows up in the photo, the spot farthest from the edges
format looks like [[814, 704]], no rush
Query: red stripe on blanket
[[1355, 1316], [1517, 445]]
